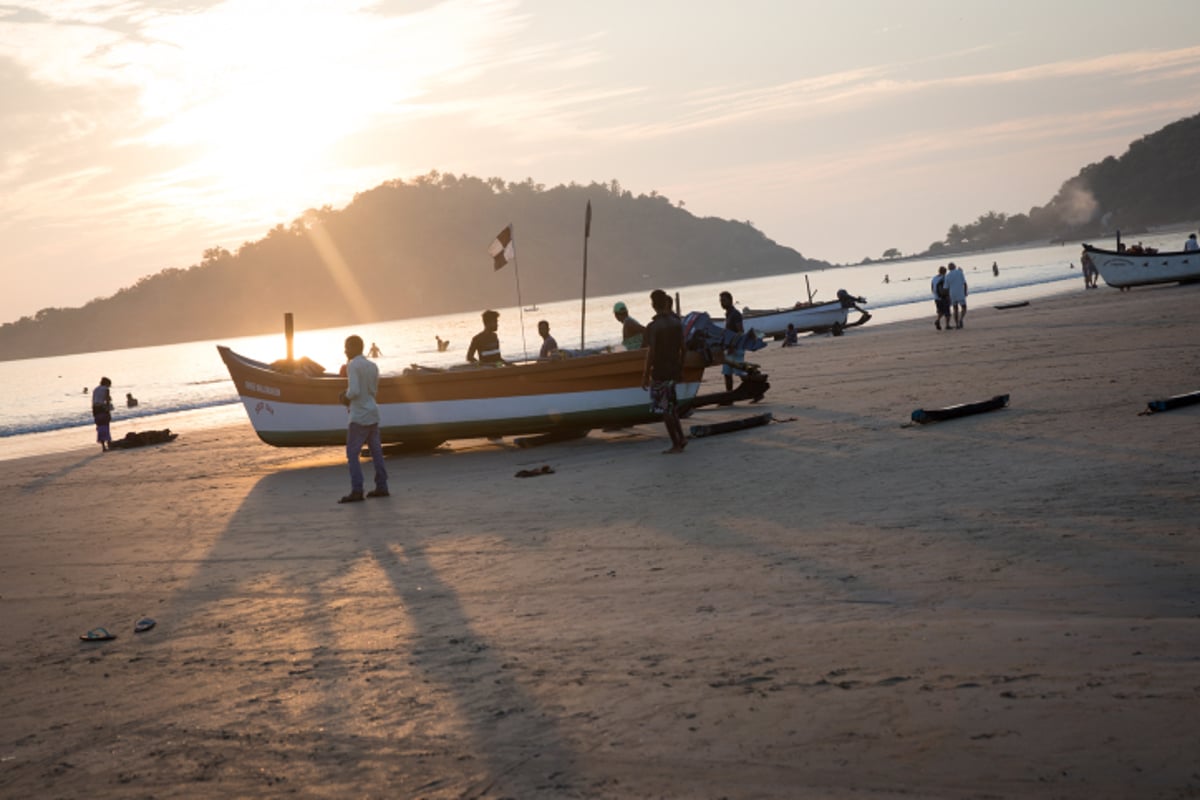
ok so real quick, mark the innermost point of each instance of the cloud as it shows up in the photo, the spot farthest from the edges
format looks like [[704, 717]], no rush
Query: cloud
[[856, 89]]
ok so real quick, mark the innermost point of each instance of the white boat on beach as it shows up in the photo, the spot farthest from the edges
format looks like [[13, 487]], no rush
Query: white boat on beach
[[1128, 267], [806, 317]]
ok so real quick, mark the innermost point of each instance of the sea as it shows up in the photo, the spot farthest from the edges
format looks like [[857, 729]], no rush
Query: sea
[[186, 386]]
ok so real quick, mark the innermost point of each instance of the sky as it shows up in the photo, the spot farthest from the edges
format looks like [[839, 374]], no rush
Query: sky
[[136, 135]]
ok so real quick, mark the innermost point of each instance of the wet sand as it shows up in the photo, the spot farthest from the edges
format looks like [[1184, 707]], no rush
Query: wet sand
[[839, 604]]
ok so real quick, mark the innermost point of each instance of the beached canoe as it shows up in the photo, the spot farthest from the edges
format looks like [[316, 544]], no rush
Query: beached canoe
[[807, 317], [1124, 269], [426, 406]]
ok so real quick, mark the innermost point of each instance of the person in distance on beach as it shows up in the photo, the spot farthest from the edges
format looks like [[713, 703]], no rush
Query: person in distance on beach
[[664, 366], [733, 324], [790, 339], [362, 384], [485, 345], [941, 298], [102, 412], [956, 282], [632, 331]]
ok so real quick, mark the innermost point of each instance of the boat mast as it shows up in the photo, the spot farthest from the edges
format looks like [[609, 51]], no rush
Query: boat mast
[[587, 231]]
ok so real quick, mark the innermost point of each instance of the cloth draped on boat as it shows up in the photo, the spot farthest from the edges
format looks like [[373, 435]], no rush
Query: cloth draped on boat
[[700, 333]]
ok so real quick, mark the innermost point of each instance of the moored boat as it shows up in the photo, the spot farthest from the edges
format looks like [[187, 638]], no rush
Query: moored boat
[[806, 317], [1125, 268], [425, 407]]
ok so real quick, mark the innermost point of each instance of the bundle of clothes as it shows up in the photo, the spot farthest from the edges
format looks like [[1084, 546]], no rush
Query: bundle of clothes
[[701, 334], [142, 438]]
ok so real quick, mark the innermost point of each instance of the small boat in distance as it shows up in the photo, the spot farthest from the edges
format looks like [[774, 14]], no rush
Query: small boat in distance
[[531, 308], [426, 406], [1128, 267]]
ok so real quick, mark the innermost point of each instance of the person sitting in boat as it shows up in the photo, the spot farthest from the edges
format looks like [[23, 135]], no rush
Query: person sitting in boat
[[485, 345], [130, 400], [549, 345], [631, 330], [790, 339], [1191, 245]]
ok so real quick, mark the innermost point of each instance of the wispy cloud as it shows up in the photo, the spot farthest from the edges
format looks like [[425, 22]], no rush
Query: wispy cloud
[[848, 90]]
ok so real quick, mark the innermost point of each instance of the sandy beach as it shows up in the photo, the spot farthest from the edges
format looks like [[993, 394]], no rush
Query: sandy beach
[[839, 604]]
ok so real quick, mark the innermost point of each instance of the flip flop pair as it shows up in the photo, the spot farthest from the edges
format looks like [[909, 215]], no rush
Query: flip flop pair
[[104, 635], [97, 635]]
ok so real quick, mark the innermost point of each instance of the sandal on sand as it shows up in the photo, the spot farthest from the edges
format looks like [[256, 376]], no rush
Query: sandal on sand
[[530, 473], [144, 624], [97, 635], [353, 497]]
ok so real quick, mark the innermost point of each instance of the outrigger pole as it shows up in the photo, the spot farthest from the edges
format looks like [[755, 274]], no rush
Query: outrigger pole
[[587, 231]]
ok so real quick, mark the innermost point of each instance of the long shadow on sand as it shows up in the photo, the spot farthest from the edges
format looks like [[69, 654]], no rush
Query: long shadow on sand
[[336, 653]]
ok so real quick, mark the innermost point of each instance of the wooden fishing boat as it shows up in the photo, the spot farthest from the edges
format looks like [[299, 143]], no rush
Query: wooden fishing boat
[[807, 317], [1124, 268], [425, 407]]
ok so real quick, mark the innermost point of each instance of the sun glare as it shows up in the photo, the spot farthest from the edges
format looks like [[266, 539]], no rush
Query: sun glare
[[261, 95]]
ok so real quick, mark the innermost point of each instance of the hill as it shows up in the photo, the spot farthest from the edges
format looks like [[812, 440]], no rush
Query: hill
[[1152, 184], [409, 250]]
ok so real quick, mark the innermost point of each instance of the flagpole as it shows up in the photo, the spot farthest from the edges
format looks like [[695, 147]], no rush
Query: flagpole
[[587, 231], [520, 304]]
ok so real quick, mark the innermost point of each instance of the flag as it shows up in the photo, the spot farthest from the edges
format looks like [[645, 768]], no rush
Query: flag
[[502, 250], [587, 221]]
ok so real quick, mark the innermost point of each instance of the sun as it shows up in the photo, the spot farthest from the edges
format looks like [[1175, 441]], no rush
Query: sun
[[260, 98]]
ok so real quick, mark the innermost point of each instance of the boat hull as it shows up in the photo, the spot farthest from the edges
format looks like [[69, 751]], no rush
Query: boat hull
[[806, 318], [1122, 270], [428, 407]]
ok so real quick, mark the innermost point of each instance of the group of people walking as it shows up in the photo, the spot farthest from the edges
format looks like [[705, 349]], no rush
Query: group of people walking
[[949, 289]]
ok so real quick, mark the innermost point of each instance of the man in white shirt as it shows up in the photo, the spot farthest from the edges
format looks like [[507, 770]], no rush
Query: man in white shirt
[[956, 283], [1190, 245], [362, 378]]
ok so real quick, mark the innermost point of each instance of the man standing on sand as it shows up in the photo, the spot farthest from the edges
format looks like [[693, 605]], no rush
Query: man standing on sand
[[102, 412], [733, 324], [362, 377], [956, 283], [941, 298], [664, 366]]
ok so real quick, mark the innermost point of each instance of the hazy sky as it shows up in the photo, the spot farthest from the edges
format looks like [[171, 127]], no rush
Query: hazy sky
[[134, 135]]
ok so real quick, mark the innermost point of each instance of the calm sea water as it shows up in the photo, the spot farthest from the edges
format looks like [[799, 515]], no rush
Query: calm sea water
[[185, 386]]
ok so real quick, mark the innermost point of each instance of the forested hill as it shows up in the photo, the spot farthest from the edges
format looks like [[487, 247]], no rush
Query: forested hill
[[1154, 183], [414, 249]]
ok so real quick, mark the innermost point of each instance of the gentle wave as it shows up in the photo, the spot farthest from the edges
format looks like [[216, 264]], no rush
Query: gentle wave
[[84, 420]]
